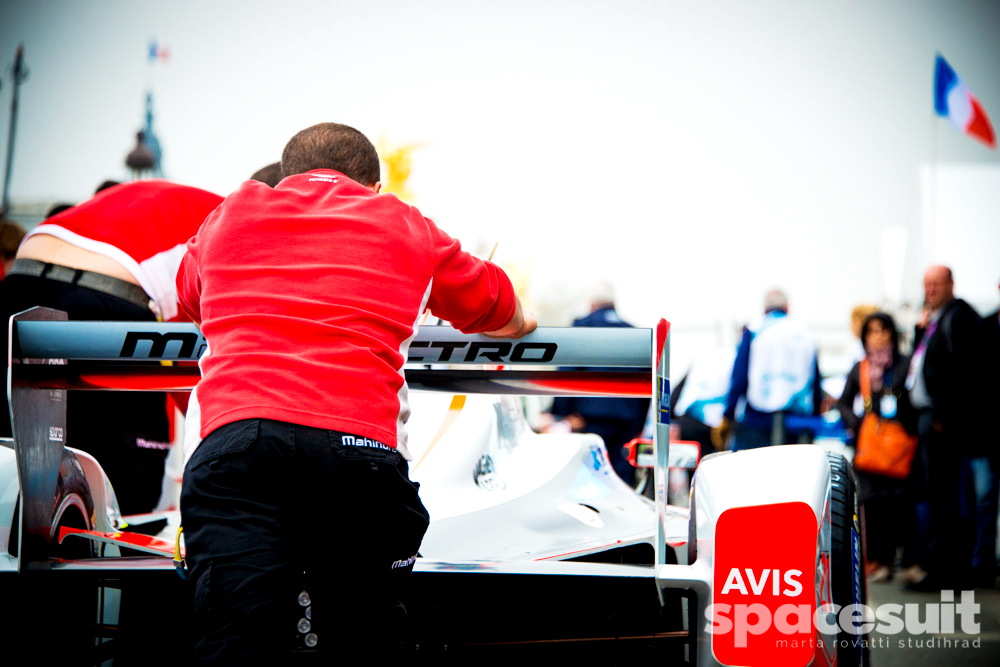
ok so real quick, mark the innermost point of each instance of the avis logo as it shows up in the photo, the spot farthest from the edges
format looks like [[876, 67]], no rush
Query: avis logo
[[735, 581], [765, 585]]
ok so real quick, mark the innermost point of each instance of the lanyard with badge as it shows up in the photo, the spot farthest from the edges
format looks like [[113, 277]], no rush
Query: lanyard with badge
[[887, 404], [917, 362]]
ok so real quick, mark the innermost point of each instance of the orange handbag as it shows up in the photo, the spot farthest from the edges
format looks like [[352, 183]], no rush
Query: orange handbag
[[884, 447]]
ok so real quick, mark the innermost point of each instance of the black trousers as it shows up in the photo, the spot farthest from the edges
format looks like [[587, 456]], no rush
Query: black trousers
[[271, 509], [126, 431], [949, 542]]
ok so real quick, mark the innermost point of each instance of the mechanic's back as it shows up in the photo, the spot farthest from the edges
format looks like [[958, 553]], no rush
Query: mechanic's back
[[294, 302], [309, 295]]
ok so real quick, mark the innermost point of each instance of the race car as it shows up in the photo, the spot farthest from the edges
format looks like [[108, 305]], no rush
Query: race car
[[536, 548]]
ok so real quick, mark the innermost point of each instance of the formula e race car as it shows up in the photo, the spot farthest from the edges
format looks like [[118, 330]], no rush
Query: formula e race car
[[536, 548]]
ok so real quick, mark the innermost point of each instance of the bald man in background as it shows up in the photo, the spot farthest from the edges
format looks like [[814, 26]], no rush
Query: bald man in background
[[946, 384]]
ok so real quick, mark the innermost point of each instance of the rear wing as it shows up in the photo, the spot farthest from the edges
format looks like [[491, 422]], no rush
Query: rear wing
[[48, 355], [109, 355]]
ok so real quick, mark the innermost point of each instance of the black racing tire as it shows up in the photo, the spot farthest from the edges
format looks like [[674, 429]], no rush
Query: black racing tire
[[73, 485], [847, 565]]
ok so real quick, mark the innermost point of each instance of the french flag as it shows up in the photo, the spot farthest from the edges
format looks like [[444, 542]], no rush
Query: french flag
[[954, 101]]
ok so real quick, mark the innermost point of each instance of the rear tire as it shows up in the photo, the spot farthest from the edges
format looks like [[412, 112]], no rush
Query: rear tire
[[847, 564], [75, 510]]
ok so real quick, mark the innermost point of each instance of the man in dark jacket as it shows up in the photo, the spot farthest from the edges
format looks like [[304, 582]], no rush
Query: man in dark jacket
[[616, 420], [986, 467], [945, 382]]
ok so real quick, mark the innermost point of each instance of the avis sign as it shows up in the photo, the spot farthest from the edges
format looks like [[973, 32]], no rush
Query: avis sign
[[764, 590]]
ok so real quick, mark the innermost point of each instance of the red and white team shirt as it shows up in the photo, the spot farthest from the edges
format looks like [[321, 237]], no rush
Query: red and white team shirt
[[309, 296], [144, 226]]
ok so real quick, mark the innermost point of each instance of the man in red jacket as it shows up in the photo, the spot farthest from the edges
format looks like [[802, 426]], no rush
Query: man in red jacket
[[309, 295]]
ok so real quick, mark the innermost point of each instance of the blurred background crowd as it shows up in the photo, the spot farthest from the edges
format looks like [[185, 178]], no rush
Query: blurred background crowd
[[912, 413]]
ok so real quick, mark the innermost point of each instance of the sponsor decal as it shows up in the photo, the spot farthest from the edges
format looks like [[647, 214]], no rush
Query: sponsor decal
[[764, 590], [597, 457], [593, 481], [404, 563], [188, 341], [56, 433], [142, 443], [766, 587], [354, 441], [485, 475], [663, 400], [499, 352]]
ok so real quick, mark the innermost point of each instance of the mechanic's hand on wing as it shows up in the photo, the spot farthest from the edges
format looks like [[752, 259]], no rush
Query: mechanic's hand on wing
[[720, 435], [521, 324]]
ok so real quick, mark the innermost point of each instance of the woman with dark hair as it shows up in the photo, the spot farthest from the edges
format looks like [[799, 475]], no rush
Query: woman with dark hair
[[889, 512]]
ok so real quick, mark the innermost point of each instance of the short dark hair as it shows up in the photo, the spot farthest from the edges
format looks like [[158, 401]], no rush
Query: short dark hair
[[57, 209], [332, 146], [885, 319], [105, 185], [269, 175]]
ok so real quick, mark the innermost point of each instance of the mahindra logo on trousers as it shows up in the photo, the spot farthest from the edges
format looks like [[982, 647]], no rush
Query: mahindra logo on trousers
[[499, 352], [353, 441]]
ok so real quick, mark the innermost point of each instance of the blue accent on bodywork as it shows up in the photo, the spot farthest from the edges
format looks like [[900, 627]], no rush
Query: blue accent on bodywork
[[663, 401], [592, 482]]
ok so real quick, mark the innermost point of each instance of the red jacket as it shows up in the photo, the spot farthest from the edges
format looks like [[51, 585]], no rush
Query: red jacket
[[309, 295]]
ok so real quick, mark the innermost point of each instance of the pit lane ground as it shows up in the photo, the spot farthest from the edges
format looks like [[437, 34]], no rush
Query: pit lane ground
[[936, 649]]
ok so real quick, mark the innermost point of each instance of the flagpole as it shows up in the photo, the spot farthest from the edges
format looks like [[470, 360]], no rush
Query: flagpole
[[932, 213], [20, 73], [930, 224]]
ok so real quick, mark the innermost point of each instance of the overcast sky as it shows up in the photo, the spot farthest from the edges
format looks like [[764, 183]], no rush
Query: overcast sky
[[696, 153]]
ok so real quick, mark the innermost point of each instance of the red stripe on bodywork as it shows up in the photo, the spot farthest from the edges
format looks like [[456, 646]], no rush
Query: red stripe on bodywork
[[622, 387], [662, 329], [128, 540], [182, 379]]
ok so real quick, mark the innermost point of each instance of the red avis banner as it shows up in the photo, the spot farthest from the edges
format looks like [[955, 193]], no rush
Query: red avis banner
[[765, 589]]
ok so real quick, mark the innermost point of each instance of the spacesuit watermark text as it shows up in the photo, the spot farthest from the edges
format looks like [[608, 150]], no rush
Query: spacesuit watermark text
[[944, 618]]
